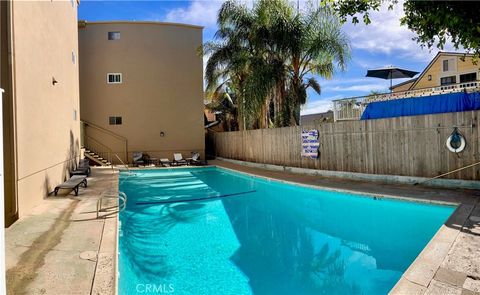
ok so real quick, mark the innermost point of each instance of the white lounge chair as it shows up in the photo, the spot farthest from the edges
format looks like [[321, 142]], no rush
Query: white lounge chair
[[165, 162], [179, 160], [195, 160], [138, 159]]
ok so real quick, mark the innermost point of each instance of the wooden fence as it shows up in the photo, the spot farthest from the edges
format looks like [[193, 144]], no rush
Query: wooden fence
[[410, 146]]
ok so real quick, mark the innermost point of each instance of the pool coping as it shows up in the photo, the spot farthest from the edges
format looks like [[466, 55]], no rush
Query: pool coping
[[421, 272], [351, 192], [401, 179], [106, 273], [312, 186]]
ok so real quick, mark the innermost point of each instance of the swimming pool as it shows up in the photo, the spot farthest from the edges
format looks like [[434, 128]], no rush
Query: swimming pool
[[241, 234]]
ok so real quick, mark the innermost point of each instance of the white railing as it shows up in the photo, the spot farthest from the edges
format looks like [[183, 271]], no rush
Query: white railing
[[352, 108]]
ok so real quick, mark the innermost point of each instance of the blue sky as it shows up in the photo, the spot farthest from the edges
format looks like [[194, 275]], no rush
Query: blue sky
[[383, 42]]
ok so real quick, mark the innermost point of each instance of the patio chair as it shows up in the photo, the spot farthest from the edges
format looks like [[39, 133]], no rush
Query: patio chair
[[195, 160], [138, 159], [179, 160], [73, 183], [165, 162], [83, 168]]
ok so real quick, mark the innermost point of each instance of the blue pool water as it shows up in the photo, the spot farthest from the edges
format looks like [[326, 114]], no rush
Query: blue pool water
[[263, 237]]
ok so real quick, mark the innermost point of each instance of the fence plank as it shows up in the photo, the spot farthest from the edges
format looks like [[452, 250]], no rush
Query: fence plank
[[412, 146]]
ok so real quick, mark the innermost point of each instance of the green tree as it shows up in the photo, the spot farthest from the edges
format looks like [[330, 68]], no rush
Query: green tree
[[224, 104], [270, 54], [433, 21]]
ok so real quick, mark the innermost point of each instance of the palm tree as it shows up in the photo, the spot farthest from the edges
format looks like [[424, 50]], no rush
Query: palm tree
[[318, 48], [271, 54], [224, 103], [229, 58]]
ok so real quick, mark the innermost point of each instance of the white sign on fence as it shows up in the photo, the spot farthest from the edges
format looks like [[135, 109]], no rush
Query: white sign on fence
[[310, 144]]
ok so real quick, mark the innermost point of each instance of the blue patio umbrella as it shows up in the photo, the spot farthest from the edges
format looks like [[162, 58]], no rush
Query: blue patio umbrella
[[391, 73]]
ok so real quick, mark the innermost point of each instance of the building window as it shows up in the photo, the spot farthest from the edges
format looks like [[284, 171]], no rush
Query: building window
[[448, 65], [115, 120], [448, 80], [74, 58], [113, 35], [445, 65], [114, 78], [468, 77]]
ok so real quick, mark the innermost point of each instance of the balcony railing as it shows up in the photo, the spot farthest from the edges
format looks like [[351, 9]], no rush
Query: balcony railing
[[352, 108]]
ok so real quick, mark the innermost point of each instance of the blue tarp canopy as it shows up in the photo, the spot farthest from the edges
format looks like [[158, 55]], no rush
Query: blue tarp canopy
[[435, 104]]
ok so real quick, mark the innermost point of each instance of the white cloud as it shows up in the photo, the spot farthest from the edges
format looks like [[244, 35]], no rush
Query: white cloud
[[318, 106], [355, 85], [202, 13], [385, 35], [362, 87]]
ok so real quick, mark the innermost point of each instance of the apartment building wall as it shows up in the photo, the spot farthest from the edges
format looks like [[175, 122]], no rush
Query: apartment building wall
[[42, 101], [161, 92]]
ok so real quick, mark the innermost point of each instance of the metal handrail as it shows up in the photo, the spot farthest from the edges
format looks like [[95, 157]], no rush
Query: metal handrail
[[122, 204], [99, 143], [98, 147], [86, 123], [126, 166], [123, 139]]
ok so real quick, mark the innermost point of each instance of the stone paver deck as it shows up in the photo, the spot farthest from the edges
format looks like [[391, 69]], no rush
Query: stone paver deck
[[61, 248], [450, 263]]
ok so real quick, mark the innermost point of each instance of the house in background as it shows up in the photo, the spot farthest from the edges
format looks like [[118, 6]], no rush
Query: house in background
[[448, 84], [325, 117], [446, 68], [39, 73], [141, 88]]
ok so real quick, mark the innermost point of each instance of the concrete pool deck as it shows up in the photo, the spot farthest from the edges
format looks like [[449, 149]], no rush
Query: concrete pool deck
[[61, 247], [449, 264]]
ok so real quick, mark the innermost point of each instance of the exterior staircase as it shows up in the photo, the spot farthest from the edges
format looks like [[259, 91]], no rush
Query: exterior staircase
[[93, 138], [96, 158]]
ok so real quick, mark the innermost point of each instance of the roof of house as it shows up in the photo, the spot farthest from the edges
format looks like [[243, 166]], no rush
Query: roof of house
[[314, 117], [83, 23], [403, 83], [440, 53]]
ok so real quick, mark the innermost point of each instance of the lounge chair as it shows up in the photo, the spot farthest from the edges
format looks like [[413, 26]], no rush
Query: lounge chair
[[179, 160], [195, 160], [165, 162], [73, 183], [138, 159], [83, 168]]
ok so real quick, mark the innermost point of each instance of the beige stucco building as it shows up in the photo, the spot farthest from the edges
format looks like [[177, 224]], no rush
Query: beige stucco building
[[446, 68], [41, 100], [141, 88]]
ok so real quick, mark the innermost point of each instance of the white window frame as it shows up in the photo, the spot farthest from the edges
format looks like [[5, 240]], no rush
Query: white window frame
[[452, 66], [114, 74]]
